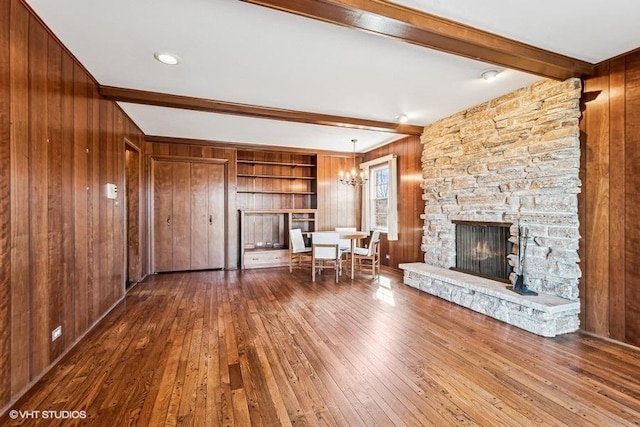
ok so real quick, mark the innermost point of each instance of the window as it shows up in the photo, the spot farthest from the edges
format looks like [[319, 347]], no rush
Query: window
[[379, 197]]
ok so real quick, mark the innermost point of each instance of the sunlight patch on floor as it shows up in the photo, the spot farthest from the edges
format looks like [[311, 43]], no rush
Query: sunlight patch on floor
[[384, 292]]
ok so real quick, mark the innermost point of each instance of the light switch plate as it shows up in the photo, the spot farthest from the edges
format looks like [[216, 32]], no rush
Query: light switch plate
[[112, 191], [56, 333]]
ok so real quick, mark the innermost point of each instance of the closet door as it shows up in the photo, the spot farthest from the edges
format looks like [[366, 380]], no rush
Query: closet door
[[171, 216], [181, 216], [162, 215], [207, 215], [188, 215]]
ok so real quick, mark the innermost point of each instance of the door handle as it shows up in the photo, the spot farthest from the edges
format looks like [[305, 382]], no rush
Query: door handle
[[210, 219], [169, 221]]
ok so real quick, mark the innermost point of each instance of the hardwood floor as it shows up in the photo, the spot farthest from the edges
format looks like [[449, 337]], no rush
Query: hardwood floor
[[269, 347]]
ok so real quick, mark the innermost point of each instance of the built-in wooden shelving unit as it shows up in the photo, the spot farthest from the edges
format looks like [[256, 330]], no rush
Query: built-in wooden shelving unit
[[264, 235], [292, 176], [276, 191]]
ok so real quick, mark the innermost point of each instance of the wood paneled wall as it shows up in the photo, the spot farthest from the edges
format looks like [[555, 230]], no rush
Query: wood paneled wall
[[5, 206], [61, 239], [610, 200], [410, 203], [136, 214], [338, 204]]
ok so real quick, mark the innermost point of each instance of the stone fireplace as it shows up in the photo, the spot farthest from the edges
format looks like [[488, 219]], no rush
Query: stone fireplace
[[512, 160]]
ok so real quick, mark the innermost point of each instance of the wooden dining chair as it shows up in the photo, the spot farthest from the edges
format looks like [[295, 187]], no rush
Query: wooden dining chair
[[369, 256], [298, 251], [326, 251]]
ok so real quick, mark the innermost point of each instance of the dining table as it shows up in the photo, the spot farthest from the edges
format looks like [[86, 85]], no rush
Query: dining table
[[353, 237]]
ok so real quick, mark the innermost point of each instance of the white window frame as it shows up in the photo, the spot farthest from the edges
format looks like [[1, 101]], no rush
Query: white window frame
[[392, 218], [373, 184]]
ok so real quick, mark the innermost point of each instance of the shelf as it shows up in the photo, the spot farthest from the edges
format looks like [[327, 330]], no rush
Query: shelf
[[264, 249], [255, 231], [304, 193], [272, 179], [262, 162], [277, 211], [250, 175]]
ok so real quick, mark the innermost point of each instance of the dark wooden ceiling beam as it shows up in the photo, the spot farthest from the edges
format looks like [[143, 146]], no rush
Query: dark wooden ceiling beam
[[244, 146], [223, 107], [416, 27]]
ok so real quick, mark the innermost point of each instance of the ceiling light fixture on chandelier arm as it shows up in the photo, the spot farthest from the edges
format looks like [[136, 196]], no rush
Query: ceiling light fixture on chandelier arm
[[353, 178]]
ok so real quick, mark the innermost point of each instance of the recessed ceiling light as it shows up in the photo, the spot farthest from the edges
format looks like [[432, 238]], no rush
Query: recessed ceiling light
[[402, 118], [167, 58], [490, 74]]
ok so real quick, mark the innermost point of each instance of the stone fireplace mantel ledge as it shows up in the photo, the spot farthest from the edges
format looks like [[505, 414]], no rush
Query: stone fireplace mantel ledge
[[546, 315]]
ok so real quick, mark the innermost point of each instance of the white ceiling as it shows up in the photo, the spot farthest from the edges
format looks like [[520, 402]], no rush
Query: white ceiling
[[243, 53]]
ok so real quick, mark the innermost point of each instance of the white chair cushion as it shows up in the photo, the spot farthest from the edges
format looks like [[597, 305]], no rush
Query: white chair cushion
[[361, 251]]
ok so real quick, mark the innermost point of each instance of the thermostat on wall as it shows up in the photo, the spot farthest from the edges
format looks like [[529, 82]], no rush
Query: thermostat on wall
[[112, 191]]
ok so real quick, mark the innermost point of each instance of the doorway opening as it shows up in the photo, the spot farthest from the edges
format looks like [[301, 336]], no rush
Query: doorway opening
[[133, 200]]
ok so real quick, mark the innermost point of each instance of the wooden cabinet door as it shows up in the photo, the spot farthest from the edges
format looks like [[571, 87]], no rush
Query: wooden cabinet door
[[171, 216], [207, 215], [189, 215], [181, 216], [162, 215]]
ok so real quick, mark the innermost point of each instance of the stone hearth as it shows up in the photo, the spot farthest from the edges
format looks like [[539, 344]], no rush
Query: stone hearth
[[545, 315]]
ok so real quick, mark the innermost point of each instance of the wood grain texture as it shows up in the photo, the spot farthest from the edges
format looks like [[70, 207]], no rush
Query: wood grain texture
[[208, 216], [276, 180], [269, 347], [134, 195], [5, 203], [81, 176], [410, 203], [239, 146], [38, 192], [617, 200], [199, 202], [54, 254], [162, 178], [67, 200], [597, 215], [225, 107], [93, 208], [609, 217], [632, 200], [64, 263], [338, 204], [19, 267], [172, 151], [189, 200], [180, 187]]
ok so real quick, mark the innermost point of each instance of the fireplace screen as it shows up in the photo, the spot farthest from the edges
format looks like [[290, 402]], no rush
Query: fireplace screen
[[482, 249]]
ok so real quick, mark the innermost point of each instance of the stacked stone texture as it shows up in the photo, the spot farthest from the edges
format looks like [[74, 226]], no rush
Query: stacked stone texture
[[513, 159]]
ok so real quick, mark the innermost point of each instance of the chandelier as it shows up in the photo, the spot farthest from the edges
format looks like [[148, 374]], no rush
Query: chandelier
[[352, 178]]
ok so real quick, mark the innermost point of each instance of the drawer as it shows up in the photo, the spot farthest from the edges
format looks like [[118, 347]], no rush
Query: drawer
[[266, 258]]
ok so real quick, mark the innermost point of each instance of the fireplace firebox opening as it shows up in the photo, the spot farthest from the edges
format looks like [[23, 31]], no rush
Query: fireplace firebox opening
[[482, 249]]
